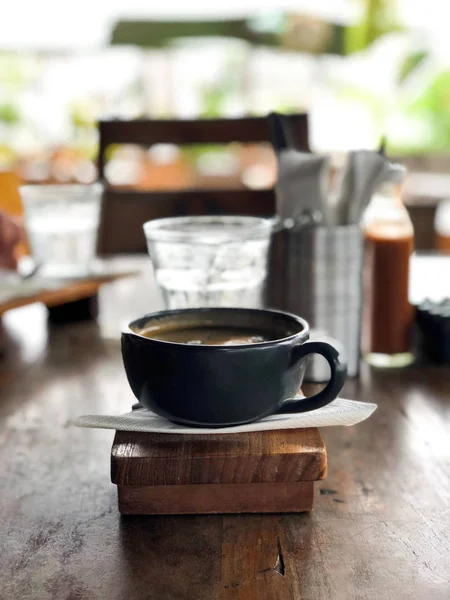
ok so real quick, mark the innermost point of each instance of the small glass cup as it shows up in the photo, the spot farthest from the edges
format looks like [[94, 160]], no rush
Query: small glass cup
[[210, 261], [62, 223]]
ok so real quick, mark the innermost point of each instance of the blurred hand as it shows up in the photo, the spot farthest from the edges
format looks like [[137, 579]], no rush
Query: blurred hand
[[10, 236]]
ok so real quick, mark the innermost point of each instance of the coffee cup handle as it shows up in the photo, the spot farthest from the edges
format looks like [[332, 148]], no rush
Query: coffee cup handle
[[333, 387]]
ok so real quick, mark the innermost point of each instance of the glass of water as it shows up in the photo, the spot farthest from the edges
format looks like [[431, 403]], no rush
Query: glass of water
[[210, 261], [62, 224]]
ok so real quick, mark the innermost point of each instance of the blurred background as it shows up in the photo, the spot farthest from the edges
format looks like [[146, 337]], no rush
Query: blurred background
[[362, 69]]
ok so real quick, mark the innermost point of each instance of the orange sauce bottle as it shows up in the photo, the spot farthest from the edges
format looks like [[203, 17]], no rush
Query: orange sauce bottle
[[388, 244]]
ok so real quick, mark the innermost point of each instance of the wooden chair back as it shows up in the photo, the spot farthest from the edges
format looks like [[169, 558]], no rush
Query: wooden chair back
[[125, 210]]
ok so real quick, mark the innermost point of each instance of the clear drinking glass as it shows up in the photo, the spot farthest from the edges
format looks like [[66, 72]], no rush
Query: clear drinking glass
[[210, 261], [62, 224]]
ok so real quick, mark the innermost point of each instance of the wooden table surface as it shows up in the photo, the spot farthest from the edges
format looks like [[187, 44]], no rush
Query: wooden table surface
[[380, 528]]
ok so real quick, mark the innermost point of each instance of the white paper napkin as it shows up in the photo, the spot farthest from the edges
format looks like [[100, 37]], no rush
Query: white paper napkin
[[338, 412]]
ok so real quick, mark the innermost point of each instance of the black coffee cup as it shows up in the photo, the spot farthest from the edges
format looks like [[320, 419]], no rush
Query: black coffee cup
[[221, 386]]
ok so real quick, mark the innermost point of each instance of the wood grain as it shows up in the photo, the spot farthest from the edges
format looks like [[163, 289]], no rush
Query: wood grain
[[216, 498], [253, 561], [145, 459], [380, 527]]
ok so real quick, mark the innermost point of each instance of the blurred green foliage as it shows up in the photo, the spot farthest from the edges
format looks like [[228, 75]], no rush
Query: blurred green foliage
[[425, 106], [9, 114], [421, 97], [411, 62], [432, 107], [379, 18]]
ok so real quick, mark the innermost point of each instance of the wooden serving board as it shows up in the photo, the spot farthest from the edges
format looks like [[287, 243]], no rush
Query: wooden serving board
[[267, 471], [58, 292]]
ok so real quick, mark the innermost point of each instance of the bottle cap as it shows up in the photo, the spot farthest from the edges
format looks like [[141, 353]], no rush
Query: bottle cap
[[395, 173]]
